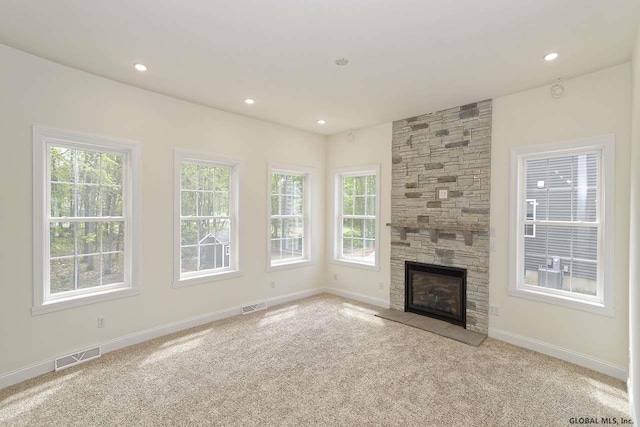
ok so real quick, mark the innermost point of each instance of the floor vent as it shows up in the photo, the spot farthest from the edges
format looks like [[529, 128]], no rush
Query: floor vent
[[254, 307], [65, 362]]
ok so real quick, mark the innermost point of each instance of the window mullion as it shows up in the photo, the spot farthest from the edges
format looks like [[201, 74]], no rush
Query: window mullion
[[582, 224], [88, 219], [571, 261]]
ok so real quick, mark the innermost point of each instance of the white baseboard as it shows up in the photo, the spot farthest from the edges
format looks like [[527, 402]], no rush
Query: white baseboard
[[561, 353], [358, 297], [26, 373], [46, 366], [632, 401]]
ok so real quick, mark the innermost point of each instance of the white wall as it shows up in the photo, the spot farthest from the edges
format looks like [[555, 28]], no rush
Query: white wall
[[634, 251], [371, 145], [36, 91], [594, 104]]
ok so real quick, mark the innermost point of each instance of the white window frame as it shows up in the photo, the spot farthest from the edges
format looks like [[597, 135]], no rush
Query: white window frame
[[43, 139], [338, 177], [234, 268], [604, 145], [307, 205]]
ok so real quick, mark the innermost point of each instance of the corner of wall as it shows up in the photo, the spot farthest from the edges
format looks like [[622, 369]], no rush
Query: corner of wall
[[634, 244], [323, 258]]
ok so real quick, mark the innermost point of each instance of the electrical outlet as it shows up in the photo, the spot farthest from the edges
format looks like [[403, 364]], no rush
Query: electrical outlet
[[273, 284], [492, 246], [101, 322], [493, 309], [492, 231], [335, 276], [381, 285]]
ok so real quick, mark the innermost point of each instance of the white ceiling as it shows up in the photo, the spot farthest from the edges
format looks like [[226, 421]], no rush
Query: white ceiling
[[407, 57]]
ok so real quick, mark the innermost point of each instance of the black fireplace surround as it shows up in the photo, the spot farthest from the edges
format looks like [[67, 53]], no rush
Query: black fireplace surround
[[436, 291]]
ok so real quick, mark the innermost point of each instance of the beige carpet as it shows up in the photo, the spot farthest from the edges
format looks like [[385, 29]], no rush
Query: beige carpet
[[319, 361]]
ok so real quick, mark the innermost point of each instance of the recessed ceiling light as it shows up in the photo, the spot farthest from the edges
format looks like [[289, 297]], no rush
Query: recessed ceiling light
[[250, 101], [322, 121], [550, 56], [341, 62], [140, 67]]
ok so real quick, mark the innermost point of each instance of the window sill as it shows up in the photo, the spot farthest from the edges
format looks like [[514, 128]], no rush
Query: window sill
[[567, 302], [195, 280], [77, 301], [292, 264], [355, 264]]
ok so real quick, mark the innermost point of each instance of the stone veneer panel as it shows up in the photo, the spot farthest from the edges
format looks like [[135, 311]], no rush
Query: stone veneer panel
[[446, 149]]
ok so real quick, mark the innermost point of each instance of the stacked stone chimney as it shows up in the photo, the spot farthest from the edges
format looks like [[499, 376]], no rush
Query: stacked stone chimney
[[446, 150]]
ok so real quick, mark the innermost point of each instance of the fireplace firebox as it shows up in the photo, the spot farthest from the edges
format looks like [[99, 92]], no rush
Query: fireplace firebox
[[436, 291]]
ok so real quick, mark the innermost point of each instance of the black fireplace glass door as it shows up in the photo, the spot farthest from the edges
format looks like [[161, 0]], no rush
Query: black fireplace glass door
[[436, 292]]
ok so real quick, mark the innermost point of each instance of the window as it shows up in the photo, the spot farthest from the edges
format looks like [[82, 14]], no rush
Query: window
[[356, 223], [289, 222], [206, 241], [85, 219], [531, 207], [562, 204]]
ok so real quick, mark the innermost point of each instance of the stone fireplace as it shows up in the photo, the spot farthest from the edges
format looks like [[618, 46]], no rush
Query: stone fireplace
[[440, 208]]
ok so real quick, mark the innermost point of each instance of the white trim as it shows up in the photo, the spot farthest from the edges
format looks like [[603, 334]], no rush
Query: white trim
[[632, 406], [291, 264], [308, 175], [378, 302], [40, 368], [93, 298], [206, 278], [236, 166], [561, 353], [192, 322], [338, 175], [605, 144], [26, 373], [43, 138]]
